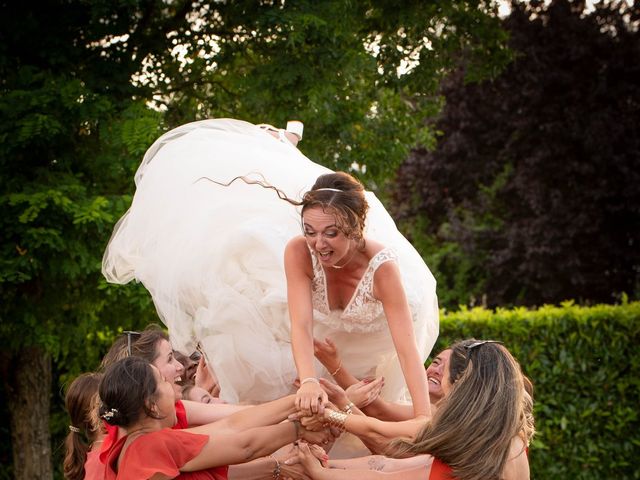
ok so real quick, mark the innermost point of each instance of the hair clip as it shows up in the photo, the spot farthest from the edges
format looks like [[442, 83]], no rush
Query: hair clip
[[108, 415]]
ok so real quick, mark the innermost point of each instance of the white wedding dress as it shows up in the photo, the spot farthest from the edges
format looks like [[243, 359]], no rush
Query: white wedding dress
[[212, 258]]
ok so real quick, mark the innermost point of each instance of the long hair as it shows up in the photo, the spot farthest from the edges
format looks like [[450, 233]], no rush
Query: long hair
[[127, 392], [475, 423], [80, 400], [338, 193]]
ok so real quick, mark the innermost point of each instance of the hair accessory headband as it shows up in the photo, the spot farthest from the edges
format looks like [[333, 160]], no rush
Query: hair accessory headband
[[74, 429], [328, 189]]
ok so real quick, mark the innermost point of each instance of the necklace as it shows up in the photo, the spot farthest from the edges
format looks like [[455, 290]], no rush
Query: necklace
[[347, 262]]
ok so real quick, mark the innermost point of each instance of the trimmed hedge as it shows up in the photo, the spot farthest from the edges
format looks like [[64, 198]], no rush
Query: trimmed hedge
[[585, 366]]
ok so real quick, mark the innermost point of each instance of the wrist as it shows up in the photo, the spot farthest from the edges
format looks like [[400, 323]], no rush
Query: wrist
[[309, 380], [337, 419], [276, 468], [348, 408]]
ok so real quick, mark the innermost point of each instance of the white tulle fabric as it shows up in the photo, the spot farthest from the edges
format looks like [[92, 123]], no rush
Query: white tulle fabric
[[212, 258]]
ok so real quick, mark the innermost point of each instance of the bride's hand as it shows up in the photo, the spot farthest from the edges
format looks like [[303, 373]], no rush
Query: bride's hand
[[311, 398]]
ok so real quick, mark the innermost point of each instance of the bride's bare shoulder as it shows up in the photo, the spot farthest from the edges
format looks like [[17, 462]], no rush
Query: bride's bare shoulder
[[373, 247]]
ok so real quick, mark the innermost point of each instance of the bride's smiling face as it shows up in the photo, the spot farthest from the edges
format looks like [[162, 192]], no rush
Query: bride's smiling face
[[326, 240]]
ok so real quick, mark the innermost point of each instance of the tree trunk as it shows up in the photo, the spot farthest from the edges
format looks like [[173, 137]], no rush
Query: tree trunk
[[28, 388]]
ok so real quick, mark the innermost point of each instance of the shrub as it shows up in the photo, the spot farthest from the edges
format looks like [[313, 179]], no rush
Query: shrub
[[584, 364]]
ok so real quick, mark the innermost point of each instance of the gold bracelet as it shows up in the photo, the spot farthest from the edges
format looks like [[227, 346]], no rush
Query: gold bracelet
[[337, 419], [337, 369], [349, 407]]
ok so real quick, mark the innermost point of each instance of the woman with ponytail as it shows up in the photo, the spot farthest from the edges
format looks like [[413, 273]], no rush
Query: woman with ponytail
[[83, 442]]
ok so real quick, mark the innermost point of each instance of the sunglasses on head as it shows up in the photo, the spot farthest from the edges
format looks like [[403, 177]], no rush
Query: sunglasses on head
[[129, 334], [477, 344]]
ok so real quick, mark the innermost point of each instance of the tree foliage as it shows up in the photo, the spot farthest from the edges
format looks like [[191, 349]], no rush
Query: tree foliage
[[533, 193]]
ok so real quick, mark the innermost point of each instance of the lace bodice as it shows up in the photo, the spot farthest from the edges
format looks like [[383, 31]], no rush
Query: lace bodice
[[363, 313]]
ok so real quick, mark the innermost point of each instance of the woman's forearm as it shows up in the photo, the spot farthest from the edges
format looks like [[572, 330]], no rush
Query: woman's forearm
[[302, 347], [227, 449], [416, 473], [381, 463], [204, 413], [377, 431], [258, 469], [262, 415], [389, 412]]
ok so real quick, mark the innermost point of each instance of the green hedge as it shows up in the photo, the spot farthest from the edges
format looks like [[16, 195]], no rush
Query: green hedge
[[584, 363]]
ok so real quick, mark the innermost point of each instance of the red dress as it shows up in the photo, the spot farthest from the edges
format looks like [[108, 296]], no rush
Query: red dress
[[93, 468], [164, 452], [112, 434], [440, 471]]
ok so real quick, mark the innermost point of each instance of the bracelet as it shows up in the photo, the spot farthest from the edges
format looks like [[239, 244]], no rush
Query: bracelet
[[337, 369], [276, 469], [310, 379], [338, 419], [348, 408]]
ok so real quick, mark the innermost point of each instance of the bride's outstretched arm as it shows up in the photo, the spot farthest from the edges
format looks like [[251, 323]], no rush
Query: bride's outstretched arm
[[297, 263], [388, 289]]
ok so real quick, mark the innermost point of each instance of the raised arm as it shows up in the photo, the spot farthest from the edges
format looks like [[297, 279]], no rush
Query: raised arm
[[387, 288], [203, 413], [299, 272], [262, 415]]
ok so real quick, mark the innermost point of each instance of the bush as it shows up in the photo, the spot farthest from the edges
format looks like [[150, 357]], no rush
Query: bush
[[584, 364]]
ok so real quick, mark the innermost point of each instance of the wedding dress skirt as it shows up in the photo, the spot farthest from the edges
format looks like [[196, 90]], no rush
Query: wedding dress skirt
[[212, 258]]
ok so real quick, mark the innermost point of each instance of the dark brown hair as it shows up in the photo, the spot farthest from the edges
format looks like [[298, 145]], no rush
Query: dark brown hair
[[127, 392], [80, 400]]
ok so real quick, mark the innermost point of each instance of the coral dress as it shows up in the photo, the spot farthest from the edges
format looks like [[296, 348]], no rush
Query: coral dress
[[440, 471], [163, 452], [212, 257]]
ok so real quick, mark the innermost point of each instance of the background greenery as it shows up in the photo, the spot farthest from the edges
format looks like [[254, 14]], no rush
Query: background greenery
[[507, 150]]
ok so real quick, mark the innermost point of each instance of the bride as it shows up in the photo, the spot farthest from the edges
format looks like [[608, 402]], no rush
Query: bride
[[211, 251]]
